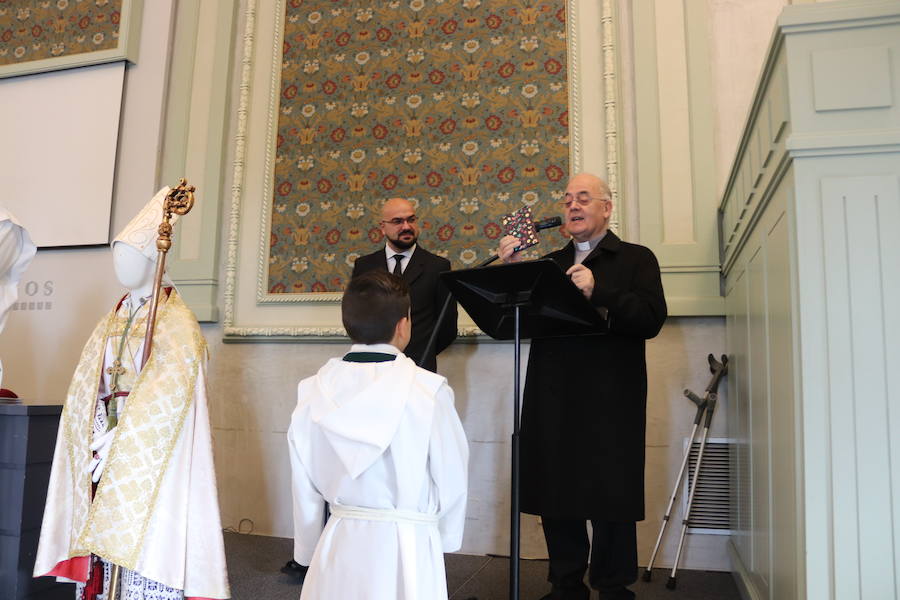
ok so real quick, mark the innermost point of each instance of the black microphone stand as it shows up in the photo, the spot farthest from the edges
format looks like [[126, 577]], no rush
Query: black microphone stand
[[515, 522]]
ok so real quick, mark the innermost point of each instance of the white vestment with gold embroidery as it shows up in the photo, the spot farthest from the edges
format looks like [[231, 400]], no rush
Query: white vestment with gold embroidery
[[381, 443], [155, 510]]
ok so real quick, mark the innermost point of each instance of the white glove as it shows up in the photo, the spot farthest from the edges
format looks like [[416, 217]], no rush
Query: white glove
[[100, 448]]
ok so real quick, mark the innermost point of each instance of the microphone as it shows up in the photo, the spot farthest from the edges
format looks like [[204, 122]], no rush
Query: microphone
[[547, 223]]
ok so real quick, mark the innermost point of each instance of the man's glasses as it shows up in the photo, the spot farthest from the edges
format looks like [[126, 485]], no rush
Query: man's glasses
[[401, 220], [582, 198]]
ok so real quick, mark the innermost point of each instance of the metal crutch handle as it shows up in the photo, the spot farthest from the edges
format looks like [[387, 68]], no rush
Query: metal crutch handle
[[699, 402], [710, 409], [718, 369]]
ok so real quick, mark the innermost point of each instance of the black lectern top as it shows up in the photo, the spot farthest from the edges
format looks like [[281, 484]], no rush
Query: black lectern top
[[550, 304]]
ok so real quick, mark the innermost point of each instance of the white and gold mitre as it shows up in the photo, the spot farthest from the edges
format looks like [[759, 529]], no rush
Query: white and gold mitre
[[141, 232]]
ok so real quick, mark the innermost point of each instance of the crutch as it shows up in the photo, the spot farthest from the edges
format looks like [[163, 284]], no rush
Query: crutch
[[707, 405]]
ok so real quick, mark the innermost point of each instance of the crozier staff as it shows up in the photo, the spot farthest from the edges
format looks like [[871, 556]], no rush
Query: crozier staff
[[584, 405]]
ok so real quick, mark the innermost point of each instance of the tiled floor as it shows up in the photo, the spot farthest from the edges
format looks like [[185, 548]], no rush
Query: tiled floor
[[254, 563]]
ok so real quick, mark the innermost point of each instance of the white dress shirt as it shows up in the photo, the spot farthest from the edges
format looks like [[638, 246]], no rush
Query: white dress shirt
[[389, 257]]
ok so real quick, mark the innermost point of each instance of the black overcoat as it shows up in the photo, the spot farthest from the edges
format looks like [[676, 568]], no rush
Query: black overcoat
[[585, 399], [427, 294]]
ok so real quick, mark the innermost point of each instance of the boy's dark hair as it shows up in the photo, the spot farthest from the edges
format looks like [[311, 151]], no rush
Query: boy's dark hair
[[373, 304]]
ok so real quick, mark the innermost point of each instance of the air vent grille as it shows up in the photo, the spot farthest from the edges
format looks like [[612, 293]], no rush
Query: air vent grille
[[711, 510]]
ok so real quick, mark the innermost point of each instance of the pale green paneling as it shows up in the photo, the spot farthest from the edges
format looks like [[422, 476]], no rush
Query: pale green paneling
[[194, 146], [759, 417], [784, 521], [842, 409], [809, 218], [839, 84], [760, 163], [851, 208], [674, 154], [692, 290], [847, 260], [760, 329], [737, 329], [889, 255]]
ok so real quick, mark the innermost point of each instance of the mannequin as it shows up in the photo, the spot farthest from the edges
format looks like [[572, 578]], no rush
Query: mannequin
[[16, 253], [126, 427], [10, 243], [134, 271]]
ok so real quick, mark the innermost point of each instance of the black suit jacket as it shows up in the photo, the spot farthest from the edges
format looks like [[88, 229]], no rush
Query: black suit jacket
[[427, 295]]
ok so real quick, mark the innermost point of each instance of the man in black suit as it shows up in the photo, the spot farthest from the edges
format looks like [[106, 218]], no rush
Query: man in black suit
[[584, 406], [402, 255]]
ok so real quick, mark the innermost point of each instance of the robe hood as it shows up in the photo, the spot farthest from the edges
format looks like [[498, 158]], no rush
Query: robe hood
[[361, 426]]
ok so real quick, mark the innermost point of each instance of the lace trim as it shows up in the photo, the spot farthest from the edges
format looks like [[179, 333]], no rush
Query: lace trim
[[132, 586]]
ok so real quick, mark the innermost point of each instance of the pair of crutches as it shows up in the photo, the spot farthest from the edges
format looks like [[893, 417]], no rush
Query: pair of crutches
[[707, 405]]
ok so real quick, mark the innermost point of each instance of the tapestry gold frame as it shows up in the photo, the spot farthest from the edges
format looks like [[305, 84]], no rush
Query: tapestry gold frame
[[253, 314], [126, 49]]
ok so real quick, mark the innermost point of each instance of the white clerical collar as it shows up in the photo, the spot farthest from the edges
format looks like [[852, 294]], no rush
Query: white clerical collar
[[590, 244], [390, 252], [385, 348]]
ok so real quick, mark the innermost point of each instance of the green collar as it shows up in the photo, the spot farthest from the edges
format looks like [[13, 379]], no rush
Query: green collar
[[367, 357]]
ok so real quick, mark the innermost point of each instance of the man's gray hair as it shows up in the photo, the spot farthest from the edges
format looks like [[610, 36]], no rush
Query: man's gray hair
[[605, 192]]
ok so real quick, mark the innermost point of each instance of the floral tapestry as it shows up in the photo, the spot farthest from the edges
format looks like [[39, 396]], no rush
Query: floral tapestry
[[38, 29], [459, 106]]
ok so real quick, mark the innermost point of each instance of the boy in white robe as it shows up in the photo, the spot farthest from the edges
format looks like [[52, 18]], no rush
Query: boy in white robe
[[379, 440]]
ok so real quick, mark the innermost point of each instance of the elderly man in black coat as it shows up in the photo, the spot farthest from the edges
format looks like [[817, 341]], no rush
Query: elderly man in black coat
[[403, 256], [584, 407]]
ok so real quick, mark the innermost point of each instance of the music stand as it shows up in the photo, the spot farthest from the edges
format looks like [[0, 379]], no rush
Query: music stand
[[531, 299]]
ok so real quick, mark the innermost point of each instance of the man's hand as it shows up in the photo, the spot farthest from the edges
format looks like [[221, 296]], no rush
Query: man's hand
[[100, 448], [583, 279], [506, 250]]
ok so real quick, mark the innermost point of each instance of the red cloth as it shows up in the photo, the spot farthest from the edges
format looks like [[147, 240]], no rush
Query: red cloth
[[79, 568], [94, 585], [75, 568]]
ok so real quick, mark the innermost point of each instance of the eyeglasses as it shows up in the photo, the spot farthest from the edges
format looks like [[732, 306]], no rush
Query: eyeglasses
[[582, 198], [401, 220]]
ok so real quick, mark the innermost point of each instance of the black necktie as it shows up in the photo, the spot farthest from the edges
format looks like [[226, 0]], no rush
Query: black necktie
[[397, 270]]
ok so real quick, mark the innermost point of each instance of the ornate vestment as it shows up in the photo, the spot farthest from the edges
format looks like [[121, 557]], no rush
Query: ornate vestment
[[155, 510]]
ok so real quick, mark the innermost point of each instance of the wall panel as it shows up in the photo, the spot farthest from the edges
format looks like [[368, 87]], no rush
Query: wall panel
[[674, 150], [760, 429], [783, 503], [858, 376], [813, 190]]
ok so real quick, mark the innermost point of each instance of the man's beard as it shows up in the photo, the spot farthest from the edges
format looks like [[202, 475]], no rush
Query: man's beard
[[404, 244]]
